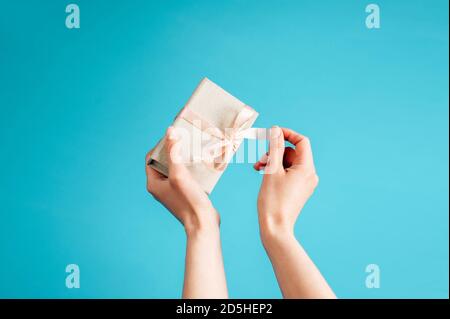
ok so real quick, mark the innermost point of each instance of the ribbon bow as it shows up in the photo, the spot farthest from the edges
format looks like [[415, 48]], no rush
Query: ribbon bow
[[218, 153]]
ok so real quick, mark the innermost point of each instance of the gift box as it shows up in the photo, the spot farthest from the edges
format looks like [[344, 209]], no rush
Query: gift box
[[211, 127]]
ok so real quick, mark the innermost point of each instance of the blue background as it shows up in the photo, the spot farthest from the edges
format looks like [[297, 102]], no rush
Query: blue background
[[80, 109]]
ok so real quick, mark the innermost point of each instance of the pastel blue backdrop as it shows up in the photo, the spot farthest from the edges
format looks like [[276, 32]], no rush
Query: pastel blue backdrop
[[80, 109]]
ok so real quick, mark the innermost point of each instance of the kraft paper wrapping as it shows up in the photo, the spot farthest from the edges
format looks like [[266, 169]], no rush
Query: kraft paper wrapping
[[220, 109]]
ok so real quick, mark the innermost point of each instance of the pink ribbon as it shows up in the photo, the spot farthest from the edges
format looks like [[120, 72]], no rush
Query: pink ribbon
[[220, 152]]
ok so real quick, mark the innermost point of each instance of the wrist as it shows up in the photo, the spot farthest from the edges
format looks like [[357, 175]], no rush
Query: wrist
[[277, 241], [202, 222], [205, 232], [272, 224], [275, 230]]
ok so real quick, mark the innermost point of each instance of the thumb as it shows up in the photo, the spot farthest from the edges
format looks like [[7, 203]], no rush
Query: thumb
[[177, 170], [276, 151], [179, 175]]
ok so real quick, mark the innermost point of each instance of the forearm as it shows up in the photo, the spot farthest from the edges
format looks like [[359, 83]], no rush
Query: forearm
[[296, 273], [204, 273]]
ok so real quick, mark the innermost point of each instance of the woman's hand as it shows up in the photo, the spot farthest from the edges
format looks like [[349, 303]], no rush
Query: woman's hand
[[179, 192], [289, 180], [204, 272]]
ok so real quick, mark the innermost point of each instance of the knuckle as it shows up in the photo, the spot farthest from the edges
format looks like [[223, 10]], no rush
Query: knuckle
[[154, 192], [175, 179], [150, 188]]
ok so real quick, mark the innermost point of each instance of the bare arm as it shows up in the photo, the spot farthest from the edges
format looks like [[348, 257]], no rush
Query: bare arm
[[296, 273], [181, 195], [204, 275], [289, 180]]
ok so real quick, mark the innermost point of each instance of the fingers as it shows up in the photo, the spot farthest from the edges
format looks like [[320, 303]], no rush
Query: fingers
[[288, 158], [259, 165], [291, 136], [302, 155], [276, 151], [180, 178], [303, 151]]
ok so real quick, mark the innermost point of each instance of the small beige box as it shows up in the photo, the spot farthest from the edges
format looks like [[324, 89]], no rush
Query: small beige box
[[220, 109]]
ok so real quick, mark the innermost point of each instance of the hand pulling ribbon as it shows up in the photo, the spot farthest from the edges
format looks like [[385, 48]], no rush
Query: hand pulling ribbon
[[229, 139]]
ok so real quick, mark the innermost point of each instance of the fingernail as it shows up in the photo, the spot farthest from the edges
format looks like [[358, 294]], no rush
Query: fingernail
[[264, 158], [171, 133], [275, 132]]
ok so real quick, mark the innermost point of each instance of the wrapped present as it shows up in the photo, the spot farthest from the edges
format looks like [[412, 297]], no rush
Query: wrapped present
[[211, 126]]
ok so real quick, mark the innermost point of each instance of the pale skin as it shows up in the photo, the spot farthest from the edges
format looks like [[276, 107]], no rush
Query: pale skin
[[204, 272], [289, 180]]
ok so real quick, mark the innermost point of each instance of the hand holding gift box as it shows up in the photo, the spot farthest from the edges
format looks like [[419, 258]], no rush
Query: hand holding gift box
[[222, 121], [212, 125]]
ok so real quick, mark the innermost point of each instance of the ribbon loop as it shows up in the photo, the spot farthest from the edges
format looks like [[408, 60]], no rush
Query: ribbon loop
[[220, 152]]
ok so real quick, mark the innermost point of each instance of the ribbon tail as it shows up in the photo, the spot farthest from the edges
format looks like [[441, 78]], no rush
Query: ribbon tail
[[255, 133]]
